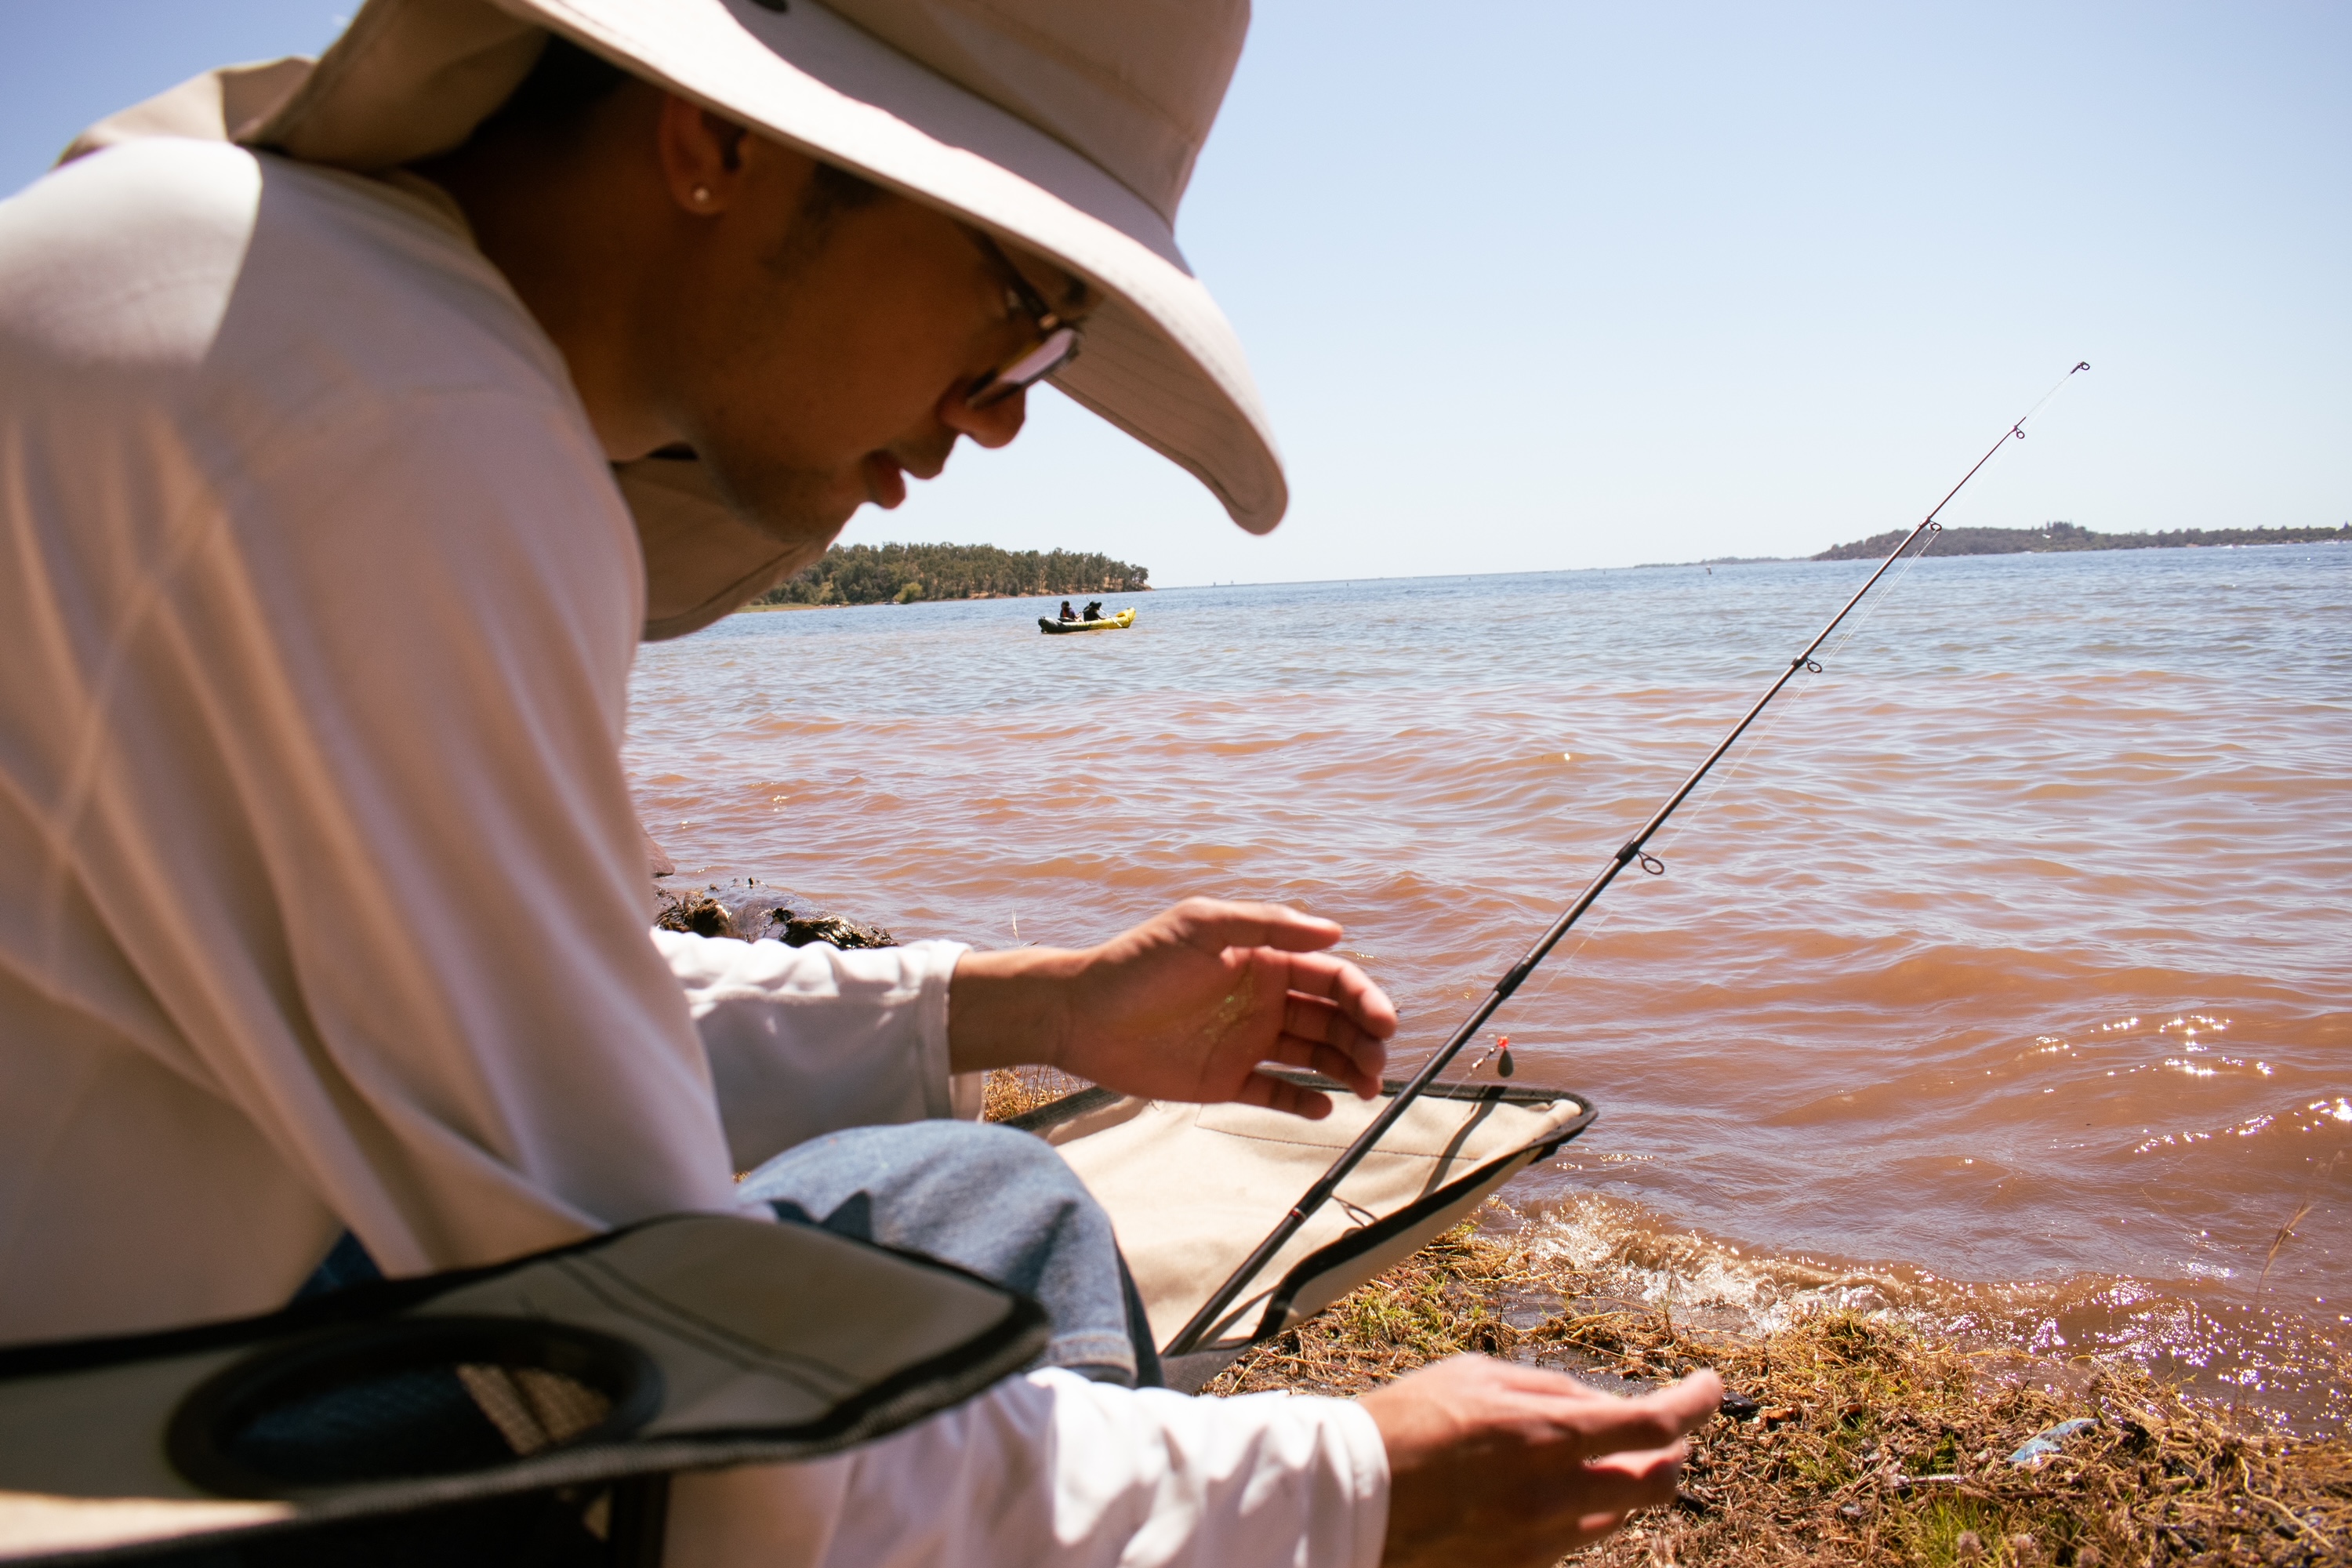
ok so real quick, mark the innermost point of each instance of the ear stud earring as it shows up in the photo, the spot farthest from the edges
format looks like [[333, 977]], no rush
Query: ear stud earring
[[701, 195]]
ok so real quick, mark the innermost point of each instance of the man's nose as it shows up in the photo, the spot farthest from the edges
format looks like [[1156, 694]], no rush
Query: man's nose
[[994, 425]]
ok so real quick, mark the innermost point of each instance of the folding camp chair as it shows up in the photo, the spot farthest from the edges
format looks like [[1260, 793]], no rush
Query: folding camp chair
[[524, 1414]]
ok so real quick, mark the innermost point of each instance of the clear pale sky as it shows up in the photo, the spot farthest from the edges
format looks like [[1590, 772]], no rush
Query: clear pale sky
[[1533, 285]]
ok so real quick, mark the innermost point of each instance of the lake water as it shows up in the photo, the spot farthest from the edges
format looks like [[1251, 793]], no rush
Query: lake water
[[2006, 983]]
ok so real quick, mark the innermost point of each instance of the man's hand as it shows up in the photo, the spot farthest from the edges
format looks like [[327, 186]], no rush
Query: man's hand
[[1498, 1465], [1184, 1007]]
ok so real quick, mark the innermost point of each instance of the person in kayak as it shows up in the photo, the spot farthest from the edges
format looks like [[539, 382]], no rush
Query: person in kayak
[[356, 421], [1068, 613], [1093, 611]]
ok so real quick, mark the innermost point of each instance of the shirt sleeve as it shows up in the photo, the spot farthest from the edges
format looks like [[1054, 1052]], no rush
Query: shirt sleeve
[[803, 1041], [1052, 1472]]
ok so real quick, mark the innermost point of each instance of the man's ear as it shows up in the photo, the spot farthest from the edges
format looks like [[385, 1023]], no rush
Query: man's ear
[[701, 156]]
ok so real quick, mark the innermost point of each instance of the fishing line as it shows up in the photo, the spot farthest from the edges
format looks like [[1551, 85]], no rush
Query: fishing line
[[1877, 602], [1755, 744], [1757, 741], [1635, 851], [1717, 784], [1739, 759]]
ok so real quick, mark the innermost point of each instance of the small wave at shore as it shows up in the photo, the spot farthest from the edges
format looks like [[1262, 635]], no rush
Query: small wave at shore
[[2295, 1367]]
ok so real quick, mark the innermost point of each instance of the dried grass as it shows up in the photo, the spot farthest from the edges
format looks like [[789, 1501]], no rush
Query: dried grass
[[1016, 1092], [1867, 1442]]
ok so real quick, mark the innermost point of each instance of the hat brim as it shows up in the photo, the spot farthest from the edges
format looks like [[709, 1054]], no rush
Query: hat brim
[[412, 78]]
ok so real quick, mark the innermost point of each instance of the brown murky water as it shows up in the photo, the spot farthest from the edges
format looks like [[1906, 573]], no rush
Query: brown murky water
[[2007, 983]]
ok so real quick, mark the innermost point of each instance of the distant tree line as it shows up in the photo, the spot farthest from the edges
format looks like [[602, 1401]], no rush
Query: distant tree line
[[904, 574], [2058, 536]]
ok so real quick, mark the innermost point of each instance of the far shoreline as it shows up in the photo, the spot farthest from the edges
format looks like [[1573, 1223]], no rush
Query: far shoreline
[[896, 604], [1559, 571]]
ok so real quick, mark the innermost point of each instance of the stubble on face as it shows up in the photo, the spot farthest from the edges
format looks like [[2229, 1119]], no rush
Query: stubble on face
[[761, 474], [813, 360]]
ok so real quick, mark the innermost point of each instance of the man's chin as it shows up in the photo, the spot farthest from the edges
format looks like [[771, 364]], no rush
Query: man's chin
[[886, 481], [805, 512]]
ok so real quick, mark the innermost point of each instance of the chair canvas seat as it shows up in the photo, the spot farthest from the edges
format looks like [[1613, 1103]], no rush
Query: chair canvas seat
[[1192, 1189]]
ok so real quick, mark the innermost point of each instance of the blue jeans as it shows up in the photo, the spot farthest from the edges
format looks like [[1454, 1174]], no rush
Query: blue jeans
[[999, 1203]]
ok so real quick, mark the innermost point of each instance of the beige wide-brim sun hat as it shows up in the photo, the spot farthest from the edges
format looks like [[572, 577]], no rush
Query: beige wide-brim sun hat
[[1068, 127]]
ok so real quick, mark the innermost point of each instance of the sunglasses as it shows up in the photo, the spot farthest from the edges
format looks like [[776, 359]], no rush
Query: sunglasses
[[1058, 339]]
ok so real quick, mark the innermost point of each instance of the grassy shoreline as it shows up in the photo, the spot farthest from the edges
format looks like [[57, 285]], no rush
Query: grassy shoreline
[[1851, 1440], [1854, 1440]]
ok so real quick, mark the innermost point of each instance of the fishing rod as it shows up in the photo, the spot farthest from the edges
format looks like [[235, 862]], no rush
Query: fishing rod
[[1635, 851]]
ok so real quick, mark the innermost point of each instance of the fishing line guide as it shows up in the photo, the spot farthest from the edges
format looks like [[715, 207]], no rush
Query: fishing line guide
[[1190, 1338]]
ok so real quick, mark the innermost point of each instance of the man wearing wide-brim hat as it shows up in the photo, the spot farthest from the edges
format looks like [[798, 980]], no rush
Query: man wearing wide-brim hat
[[356, 421]]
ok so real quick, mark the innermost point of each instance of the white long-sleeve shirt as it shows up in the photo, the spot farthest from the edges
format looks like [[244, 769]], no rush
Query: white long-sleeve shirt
[[317, 607]]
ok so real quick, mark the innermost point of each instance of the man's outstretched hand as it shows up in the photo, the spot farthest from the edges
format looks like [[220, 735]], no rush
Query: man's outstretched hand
[[1184, 1007], [1496, 1464], [1489, 1463]]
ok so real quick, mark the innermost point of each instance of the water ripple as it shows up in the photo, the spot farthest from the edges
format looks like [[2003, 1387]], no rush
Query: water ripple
[[1921, 982]]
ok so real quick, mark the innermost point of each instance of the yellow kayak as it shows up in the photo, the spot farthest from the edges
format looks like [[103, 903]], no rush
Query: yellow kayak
[[1117, 622]]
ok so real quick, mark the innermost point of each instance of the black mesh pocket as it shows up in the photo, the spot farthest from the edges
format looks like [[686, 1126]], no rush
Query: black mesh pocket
[[408, 1398]]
